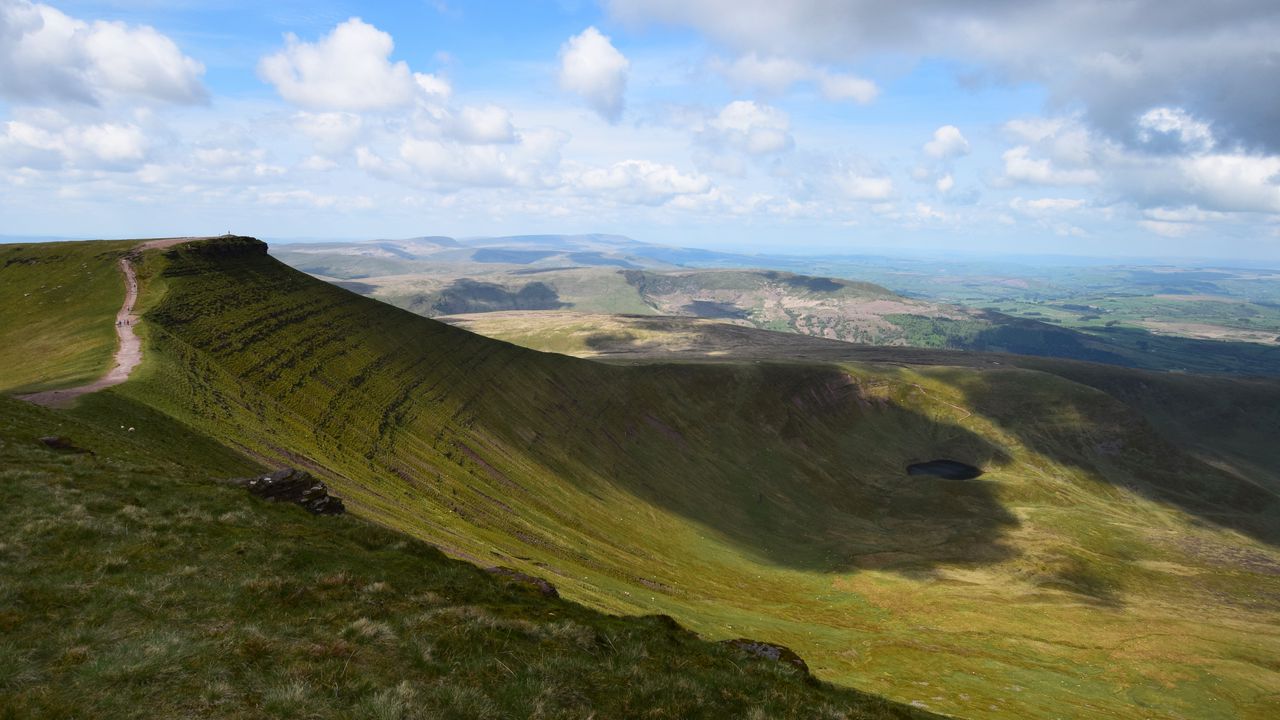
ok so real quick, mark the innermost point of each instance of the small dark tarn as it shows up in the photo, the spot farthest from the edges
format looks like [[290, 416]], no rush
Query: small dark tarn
[[948, 469]]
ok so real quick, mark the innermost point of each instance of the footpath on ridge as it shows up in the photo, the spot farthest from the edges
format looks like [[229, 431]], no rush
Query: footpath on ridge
[[129, 351]]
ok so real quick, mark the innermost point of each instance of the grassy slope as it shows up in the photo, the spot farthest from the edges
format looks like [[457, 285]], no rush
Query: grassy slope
[[59, 314], [765, 500], [133, 586]]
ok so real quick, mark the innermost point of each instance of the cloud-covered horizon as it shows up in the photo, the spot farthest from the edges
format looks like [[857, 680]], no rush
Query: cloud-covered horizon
[[1071, 127]]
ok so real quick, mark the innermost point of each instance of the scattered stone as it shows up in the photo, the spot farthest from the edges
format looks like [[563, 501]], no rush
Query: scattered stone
[[769, 651], [512, 575], [295, 486], [61, 442]]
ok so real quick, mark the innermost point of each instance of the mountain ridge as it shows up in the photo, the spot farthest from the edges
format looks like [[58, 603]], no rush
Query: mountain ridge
[[768, 497]]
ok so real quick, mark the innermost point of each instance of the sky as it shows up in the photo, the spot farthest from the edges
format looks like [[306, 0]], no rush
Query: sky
[[1116, 127]]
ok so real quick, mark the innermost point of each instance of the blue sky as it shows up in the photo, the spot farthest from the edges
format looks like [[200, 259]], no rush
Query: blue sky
[[1081, 127]]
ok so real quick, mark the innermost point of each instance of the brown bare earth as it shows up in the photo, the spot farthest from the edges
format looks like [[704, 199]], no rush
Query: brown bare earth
[[129, 352]]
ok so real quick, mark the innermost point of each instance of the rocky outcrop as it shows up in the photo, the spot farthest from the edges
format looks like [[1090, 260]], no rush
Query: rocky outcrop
[[516, 577], [769, 651], [295, 486]]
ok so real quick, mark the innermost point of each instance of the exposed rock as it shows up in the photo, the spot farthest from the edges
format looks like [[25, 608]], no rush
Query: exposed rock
[[295, 486], [769, 651], [61, 442], [512, 575]]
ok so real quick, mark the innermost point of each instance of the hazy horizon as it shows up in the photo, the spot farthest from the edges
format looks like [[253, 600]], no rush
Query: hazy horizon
[[1143, 130]]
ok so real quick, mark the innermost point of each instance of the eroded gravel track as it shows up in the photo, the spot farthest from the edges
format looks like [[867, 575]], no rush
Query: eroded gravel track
[[129, 349]]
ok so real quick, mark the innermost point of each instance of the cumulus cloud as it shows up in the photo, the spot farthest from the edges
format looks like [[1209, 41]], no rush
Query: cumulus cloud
[[1174, 129], [47, 56], [348, 69], [641, 182], [947, 143], [1118, 60], [837, 86], [481, 125], [447, 164], [1022, 167], [1233, 182], [750, 127], [1051, 151], [771, 75], [1203, 176], [107, 146], [591, 67], [777, 75], [864, 186]]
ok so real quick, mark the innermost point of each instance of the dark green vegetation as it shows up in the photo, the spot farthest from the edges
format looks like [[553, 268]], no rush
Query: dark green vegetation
[[132, 584], [1136, 317], [1102, 566]]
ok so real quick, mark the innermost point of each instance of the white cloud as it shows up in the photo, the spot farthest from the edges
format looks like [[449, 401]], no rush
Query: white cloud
[[777, 75], [927, 212], [446, 164], [750, 127], [945, 183], [449, 164], [640, 181], [483, 125], [1045, 205], [348, 69], [331, 132], [318, 163], [771, 75], [1177, 125], [838, 86], [863, 187], [319, 201], [46, 55], [1199, 175], [108, 146], [1182, 214], [1117, 60], [1020, 166], [591, 67], [1234, 182], [947, 142]]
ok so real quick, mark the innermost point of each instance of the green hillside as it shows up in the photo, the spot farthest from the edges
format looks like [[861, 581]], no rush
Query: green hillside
[[132, 584], [53, 303], [766, 499]]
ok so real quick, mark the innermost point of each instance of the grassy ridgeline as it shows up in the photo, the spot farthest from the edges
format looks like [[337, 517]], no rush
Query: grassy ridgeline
[[132, 585], [759, 499], [56, 305]]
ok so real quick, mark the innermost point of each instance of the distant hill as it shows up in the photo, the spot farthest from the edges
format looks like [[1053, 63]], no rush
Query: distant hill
[[556, 273]]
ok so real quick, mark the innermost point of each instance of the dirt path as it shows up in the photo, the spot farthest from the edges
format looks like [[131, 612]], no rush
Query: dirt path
[[129, 351]]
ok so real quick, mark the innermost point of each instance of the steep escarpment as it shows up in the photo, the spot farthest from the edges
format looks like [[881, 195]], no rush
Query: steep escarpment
[[767, 500]]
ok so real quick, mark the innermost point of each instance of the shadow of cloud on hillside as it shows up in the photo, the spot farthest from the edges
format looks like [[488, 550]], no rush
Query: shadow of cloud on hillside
[[797, 466], [1120, 447], [465, 295]]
